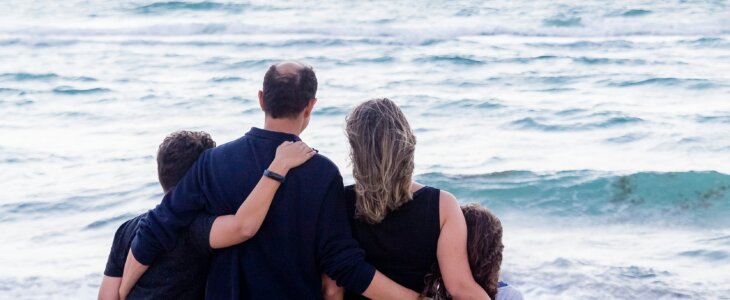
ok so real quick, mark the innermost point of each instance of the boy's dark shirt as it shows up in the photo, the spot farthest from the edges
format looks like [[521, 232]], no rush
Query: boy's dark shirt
[[178, 274], [305, 233]]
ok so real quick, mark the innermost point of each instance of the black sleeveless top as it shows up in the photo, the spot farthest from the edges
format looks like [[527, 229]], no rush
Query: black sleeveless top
[[403, 245]]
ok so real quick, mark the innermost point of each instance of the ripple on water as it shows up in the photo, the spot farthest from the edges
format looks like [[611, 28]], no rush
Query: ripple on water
[[173, 6], [608, 61], [637, 272], [627, 138], [604, 45], [255, 63], [708, 42], [710, 255], [469, 103], [28, 209], [375, 60], [562, 21], [226, 79], [68, 90], [332, 111], [635, 13], [691, 83], [28, 76], [530, 123], [452, 59], [109, 221]]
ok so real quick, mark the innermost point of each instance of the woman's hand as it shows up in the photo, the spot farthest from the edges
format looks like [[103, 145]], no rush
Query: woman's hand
[[290, 155]]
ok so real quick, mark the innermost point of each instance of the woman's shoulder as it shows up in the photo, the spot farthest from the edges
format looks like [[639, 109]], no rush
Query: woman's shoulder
[[447, 201]]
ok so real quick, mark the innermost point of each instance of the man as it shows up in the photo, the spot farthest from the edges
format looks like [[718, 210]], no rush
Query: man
[[306, 231]]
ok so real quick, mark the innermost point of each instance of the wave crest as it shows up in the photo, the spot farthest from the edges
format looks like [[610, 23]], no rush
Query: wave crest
[[680, 198]]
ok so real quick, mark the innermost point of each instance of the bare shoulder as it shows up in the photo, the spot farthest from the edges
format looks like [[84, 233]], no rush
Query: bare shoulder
[[447, 200], [447, 196], [448, 205]]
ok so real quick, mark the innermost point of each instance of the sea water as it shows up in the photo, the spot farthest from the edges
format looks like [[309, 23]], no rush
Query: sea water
[[599, 131]]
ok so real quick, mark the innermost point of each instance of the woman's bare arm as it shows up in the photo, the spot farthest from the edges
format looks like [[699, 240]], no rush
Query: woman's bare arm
[[452, 254], [109, 289], [230, 230], [133, 270]]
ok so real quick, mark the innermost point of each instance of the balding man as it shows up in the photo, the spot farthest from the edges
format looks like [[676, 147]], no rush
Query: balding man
[[306, 231]]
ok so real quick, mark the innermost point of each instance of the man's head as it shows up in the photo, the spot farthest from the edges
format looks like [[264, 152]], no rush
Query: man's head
[[289, 92], [177, 153]]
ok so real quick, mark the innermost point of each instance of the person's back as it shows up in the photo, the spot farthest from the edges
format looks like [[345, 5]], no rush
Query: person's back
[[403, 226], [403, 245], [281, 261], [181, 272]]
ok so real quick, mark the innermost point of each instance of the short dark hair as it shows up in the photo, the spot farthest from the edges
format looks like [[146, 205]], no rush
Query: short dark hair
[[177, 153], [286, 95]]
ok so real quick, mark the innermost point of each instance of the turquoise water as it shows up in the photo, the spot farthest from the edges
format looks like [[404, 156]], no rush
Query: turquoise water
[[598, 131]]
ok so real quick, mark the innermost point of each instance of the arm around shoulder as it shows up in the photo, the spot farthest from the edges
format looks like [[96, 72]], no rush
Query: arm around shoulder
[[109, 289], [452, 253], [158, 232], [230, 230]]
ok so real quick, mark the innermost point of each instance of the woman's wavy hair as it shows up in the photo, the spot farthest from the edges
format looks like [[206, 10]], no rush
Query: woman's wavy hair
[[382, 147], [484, 246]]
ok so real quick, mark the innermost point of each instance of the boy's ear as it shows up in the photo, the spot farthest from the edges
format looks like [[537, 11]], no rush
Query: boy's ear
[[261, 100]]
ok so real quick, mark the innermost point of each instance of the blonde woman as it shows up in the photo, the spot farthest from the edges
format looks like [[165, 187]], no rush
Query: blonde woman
[[403, 226]]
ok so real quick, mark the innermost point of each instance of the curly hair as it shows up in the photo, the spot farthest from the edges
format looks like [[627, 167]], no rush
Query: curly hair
[[177, 153], [381, 149], [484, 246]]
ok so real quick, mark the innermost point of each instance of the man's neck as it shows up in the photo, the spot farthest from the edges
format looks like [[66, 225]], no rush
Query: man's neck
[[290, 126]]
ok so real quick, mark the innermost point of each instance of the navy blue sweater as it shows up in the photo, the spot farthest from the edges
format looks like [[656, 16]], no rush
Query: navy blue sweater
[[305, 233]]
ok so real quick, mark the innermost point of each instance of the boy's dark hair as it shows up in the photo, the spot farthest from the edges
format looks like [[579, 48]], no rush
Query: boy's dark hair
[[286, 95], [484, 247], [177, 153]]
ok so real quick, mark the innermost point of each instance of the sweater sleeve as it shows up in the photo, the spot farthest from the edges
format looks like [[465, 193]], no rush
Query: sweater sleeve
[[158, 233], [338, 253]]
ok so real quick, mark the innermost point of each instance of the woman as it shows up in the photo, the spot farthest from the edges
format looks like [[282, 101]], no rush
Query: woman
[[484, 243], [403, 226]]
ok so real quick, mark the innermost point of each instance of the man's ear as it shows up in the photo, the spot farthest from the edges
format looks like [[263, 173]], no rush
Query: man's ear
[[310, 107], [261, 100]]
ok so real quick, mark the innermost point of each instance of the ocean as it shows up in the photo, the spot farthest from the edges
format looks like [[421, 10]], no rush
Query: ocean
[[599, 131]]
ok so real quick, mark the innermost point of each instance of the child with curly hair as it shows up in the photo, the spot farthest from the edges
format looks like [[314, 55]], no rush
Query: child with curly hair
[[484, 247]]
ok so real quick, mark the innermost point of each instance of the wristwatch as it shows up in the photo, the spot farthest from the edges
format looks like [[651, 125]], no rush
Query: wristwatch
[[274, 176]]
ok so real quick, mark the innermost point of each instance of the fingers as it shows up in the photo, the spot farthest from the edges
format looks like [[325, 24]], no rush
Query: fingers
[[298, 147], [302, 146], [307, 151], [284, 144]]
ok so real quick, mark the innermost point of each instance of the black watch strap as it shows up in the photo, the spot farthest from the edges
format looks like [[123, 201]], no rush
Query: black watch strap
[[274, 176]]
